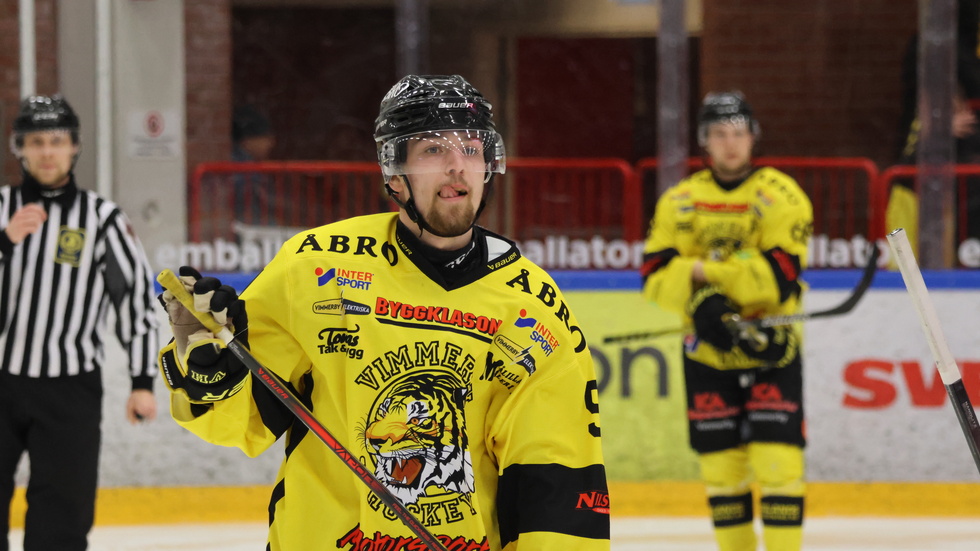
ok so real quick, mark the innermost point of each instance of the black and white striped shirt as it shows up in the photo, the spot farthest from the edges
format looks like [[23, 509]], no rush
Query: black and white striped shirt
[[57, 284]]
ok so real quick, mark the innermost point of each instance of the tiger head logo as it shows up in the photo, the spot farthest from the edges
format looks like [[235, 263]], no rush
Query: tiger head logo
[[416, 435]]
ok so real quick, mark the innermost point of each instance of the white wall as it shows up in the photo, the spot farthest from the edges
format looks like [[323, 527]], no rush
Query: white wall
[[147, 77], [76, 66]]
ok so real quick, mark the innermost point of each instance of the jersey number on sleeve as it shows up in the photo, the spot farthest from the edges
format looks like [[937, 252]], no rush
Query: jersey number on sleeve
[[592, 404]]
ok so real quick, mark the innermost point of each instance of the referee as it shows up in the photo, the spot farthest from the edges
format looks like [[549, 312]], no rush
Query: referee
[[66, 255]]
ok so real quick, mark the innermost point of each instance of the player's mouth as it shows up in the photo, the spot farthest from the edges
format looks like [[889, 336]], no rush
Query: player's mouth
[[452, 192]]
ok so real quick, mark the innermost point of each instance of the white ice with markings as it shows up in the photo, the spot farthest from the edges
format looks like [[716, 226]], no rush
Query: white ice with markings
[[628, 534]]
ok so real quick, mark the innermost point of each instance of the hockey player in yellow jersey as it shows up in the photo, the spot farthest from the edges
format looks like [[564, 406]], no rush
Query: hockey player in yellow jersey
[[727, 241], [447, 363]]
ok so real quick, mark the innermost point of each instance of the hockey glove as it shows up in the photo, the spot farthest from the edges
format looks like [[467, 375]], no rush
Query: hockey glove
[[773, 345], [196, 362], [712, 314]]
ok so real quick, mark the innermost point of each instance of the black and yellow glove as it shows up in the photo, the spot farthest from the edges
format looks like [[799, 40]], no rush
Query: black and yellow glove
[[712, 314], [195, 362], [773, 345]]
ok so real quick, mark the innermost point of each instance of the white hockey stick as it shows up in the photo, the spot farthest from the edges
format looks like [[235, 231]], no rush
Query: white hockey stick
[[948, 370]]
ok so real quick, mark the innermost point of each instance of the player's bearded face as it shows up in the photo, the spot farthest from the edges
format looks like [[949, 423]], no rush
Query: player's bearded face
[[447, 176], [729, 145], [449, 219]]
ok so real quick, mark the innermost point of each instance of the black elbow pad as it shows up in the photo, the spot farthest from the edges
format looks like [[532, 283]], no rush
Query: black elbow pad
[[786, 267]]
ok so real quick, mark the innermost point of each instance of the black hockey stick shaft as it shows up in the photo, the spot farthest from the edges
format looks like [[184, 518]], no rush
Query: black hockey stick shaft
[[967, 417], [949, 372], [169, 281], [867, 277]]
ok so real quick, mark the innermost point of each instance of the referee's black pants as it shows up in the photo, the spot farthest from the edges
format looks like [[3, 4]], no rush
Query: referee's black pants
[[57, 422]]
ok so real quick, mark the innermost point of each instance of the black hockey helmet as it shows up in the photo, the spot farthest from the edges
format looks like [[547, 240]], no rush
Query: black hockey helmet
[[426, 103], [725, 107], [422, 103], [439, 109], [39, 113]]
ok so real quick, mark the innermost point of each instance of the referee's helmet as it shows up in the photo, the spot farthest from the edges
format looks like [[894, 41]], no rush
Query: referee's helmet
[[43, 113]]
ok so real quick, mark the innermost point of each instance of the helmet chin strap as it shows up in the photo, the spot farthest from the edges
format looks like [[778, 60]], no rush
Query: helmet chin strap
[[415, 216], [410, 209]]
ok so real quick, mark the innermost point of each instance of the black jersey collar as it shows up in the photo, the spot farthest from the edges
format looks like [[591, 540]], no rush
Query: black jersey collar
[[486, 252], [732, 184], [33, 192]]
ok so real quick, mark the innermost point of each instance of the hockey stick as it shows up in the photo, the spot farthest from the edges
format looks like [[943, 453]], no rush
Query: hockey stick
[[867, 277], [949, 372], [169, 281]]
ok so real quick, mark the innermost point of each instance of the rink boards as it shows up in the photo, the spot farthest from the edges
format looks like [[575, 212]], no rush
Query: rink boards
[[882, 436], [876, 408]]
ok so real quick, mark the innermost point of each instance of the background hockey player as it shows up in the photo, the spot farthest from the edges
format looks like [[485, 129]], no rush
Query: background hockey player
[[731, 240], [66, 254], [450, 365]]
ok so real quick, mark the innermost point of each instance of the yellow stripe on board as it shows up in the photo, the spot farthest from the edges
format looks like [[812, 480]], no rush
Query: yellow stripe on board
[[823, 499], [171, 505]]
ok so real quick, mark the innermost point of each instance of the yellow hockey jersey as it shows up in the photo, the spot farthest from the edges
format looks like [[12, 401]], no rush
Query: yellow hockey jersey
[[752, 240], [475, 403]]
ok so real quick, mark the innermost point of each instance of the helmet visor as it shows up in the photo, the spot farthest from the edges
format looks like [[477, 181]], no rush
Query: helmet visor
[[480, 151]]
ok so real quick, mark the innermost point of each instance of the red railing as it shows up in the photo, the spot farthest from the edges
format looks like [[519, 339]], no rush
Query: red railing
[[291, 194], [847, 195], [577, 198], [967, 181], [536, 198]]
